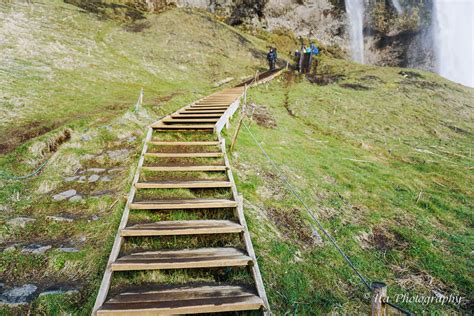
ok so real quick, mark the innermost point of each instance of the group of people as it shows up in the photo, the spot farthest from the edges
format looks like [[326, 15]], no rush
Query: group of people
[[303, 58]]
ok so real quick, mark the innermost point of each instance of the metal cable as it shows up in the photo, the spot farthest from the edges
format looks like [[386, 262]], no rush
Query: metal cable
[[4, 175], [295, 193]]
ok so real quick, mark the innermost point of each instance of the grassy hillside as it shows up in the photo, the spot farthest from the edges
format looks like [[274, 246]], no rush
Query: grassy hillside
[[383, 157], [69, 82]]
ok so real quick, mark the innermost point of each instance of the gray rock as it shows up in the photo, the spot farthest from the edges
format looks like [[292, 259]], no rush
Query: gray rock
[[115, 170], [18, 295], [82, 179], [96, 170], [59, 292], [86, 138], [95, 217], [20, 221], [120, 154], [59, 218], [82, 239], [70, 179], [68, 249], [64, 195], [4, 208], [131, 139], [36, 249], [93, 178], [75, 199], [105, 179]]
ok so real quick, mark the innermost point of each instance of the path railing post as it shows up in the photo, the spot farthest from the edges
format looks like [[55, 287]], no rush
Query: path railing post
[[139, 101], [379, 297]]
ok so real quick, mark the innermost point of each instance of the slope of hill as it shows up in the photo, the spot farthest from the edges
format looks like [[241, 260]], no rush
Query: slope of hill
[[69, 81], [383, 157]]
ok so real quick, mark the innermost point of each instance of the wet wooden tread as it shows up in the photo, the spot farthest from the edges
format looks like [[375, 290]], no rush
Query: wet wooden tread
[[176, 228], [190, 143], [182, 204], [190, 184], [182, 259], [182, 300], [185, 155], [185, 168]]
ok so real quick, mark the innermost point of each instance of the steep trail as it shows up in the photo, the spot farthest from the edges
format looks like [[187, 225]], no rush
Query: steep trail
[[184, 179]]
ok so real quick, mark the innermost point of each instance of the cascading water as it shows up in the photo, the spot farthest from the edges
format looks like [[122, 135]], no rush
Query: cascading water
[[397, 6], [453, 28], [355, 11]]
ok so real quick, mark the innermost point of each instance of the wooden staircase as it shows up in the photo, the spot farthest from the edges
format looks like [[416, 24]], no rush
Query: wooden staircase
[[186, 142]]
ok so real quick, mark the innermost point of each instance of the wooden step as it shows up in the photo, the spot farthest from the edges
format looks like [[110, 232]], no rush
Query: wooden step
[[176, 228], [207, 108], [195, 184], [218, 104], [190, 143], [184, 168], [182, 204], [185, 155], [182, 300], [184, 126], [190, 120], [182, 259], [186, 112], [192, 115]]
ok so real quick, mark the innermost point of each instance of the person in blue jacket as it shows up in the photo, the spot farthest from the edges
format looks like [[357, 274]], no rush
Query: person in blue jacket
[[314, 52], [271, 58]]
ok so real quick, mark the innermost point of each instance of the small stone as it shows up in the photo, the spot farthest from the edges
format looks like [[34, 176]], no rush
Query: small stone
[[60, 218], [20, 221], [82, 179], [82, 239], [59, 291], [95, 217], [96, 170], [75, 198], [93, 178], [64, 195], [120, 154], [36, 249], [105, 179], [69, 250], [86, 138], [4, 208], [115, 170], [18, 295], [70, 179], [131, 139]]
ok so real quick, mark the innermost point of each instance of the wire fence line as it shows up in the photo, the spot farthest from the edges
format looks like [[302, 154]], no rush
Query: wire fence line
[[364, 280]]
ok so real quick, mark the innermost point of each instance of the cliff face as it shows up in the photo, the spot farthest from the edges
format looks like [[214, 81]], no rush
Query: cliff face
[[394, 36]]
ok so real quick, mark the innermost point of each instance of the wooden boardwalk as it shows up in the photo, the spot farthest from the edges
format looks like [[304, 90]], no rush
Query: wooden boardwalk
[[186, 142]]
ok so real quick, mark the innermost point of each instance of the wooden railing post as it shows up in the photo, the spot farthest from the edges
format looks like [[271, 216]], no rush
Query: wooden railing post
[[379, 297]]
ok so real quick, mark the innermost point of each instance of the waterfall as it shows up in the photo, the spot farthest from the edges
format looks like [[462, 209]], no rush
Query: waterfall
[[453, 28], [396, 4], [355, 12]]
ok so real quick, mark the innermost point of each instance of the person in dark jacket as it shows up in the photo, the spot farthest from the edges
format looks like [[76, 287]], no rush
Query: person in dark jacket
[[271, 58]]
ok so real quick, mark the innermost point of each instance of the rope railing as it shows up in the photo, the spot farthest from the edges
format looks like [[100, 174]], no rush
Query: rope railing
[[364, 280]]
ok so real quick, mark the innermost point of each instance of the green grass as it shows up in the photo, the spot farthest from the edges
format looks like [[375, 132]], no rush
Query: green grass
[[388, 171]]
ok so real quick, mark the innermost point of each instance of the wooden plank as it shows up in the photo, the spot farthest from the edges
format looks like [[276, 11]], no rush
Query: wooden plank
[[190, 120], [182, 204], [182, 259], [184, 143], [184, 155], [184, 126], [206, 108], [200, 299], [197, 184], [184, 168], [176, 228], [192, 115]]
